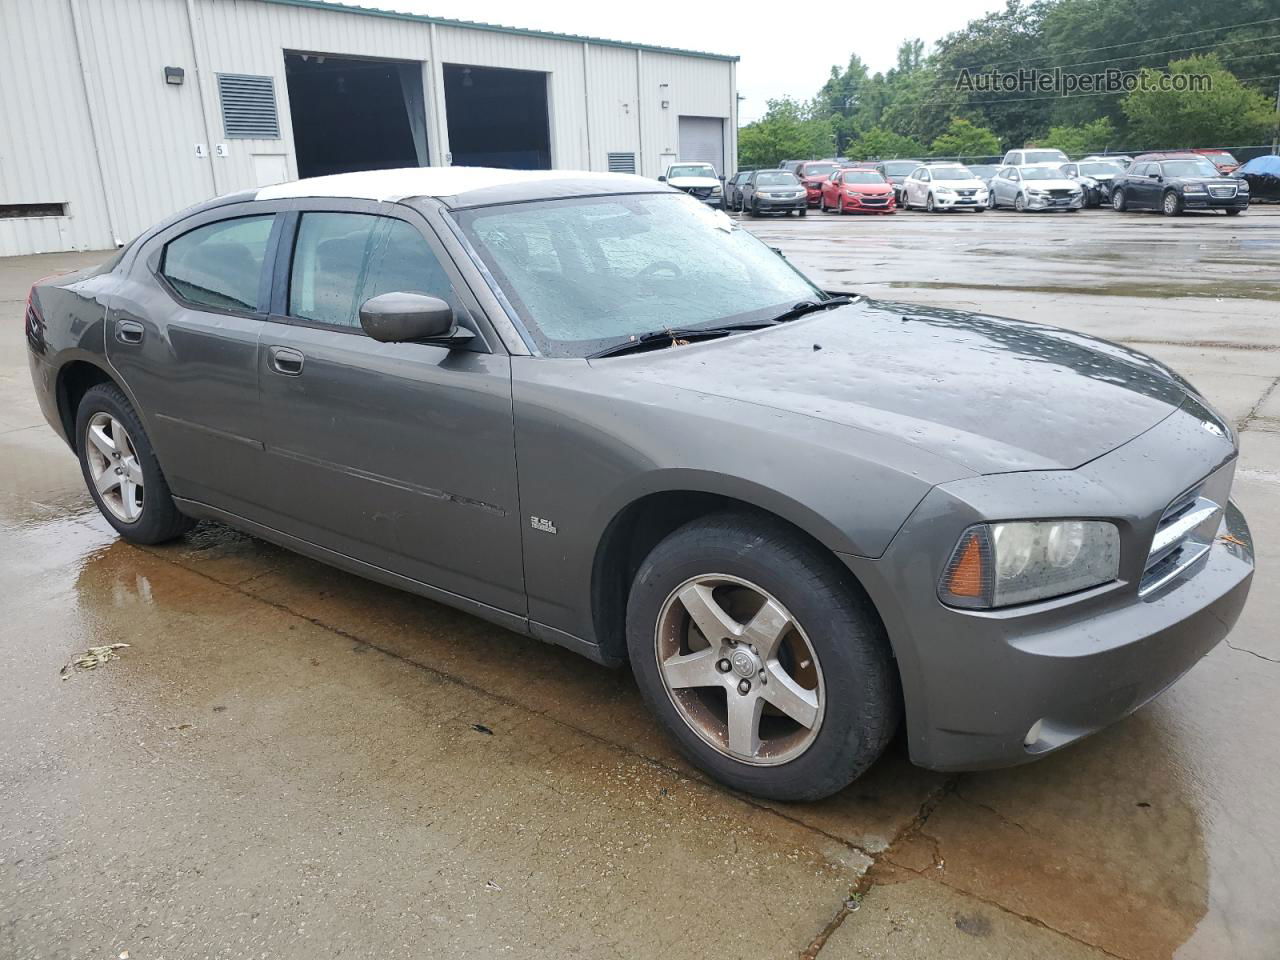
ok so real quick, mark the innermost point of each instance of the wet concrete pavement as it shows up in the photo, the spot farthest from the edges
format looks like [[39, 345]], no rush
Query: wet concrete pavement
[[290, 762]]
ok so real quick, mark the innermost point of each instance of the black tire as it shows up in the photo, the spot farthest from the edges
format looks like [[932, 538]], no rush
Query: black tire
[[755, 208], [1234, 212], [928, 203], [803, 212], [1171, 203], [160, 519], [1020, 203], [863, 703], [1118, 202]]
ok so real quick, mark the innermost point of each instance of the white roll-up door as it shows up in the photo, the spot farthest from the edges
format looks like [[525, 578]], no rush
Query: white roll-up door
[[702, 138]]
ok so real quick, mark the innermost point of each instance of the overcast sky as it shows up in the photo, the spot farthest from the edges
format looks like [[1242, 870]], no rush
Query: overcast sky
[[786, 50]]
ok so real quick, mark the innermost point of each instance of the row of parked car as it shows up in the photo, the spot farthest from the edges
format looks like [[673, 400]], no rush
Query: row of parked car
[[1026, 180]]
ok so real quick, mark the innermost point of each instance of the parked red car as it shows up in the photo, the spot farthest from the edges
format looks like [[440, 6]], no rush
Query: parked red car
[[1221, 159], [813, 174], [857, 190]]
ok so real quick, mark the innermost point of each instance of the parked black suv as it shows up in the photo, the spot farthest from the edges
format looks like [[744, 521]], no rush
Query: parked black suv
[[1173, 182]]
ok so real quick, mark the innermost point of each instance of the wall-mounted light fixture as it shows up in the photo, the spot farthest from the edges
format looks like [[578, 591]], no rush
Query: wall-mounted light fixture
[[664, 91], [174, 76]]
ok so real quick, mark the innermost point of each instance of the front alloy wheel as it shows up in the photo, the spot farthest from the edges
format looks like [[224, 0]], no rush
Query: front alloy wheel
[[1020, 204], [1172, 204], [739, 669], [764, 660], [1117, 200]]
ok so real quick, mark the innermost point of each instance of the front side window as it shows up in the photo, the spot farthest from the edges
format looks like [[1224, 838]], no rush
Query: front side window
[[340, 260], [587, 273], [220, 264]]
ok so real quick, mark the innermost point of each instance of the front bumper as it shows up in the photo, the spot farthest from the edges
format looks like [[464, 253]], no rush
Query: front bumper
[[813, 195], [859, 204], [770, 205], [1055, 203], [976, 683], [956, 202], [1203, 201]]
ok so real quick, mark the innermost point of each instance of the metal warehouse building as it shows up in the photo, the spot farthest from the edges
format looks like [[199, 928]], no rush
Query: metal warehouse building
[[115, 113]]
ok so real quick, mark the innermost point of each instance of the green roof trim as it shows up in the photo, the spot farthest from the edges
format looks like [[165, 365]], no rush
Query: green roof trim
[[336, 7]]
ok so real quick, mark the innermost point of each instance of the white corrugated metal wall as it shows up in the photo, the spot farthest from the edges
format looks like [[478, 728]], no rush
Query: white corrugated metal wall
[[87, 119]]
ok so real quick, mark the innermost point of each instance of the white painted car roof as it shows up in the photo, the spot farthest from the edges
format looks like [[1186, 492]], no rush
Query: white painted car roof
[[399, 184]]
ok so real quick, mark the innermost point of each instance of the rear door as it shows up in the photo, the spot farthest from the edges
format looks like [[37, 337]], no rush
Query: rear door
[[400, 455], [182, 332]]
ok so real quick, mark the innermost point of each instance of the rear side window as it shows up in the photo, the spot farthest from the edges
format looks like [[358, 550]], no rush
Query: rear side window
[[219, 264], [340, 260]]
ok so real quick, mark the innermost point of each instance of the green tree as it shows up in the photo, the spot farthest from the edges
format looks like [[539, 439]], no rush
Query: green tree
[[1091, 137], [788, 131], [1228, 113], [963, 139], [880, 144]]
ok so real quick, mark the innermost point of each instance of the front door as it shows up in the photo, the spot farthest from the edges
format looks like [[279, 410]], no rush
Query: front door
[[400, 455]]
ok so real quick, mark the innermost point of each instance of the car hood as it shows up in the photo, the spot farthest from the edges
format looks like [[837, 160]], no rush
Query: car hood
[[991, 394], [687, 183], [974, 184], [1061, 183], [1206, 181]]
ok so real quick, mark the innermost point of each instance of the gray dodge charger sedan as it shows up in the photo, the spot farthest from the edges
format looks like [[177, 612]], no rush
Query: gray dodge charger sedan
[[590, 409]]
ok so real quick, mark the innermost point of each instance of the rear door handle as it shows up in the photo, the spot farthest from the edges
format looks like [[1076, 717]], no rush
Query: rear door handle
[[285, 360], [129, 331]]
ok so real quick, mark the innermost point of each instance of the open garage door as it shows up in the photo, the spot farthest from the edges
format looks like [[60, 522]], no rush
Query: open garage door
[[702, 138], [353, 114], [497, 118]]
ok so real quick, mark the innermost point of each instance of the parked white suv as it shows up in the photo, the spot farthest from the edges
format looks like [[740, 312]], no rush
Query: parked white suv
[[944, 186], [699, 180], [1019, 158]]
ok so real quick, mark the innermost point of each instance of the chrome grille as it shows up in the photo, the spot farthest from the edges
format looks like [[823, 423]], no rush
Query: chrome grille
[[1186, 530], [1222, 193]]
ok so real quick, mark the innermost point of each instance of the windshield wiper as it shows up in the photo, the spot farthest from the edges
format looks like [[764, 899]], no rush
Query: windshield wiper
[[649, 340], [809, 306]]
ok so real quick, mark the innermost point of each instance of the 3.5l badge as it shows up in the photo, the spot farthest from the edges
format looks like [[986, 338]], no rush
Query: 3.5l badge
[[546, 526]]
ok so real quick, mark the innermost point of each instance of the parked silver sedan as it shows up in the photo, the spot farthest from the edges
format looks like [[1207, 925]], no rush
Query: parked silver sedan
[[1037, 186]]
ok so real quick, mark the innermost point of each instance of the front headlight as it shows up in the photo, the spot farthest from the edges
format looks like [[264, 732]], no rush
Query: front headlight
[[1193, 188], [715, 190], [944, 190], [1243, 186], [1000, 564], [1035, 191]]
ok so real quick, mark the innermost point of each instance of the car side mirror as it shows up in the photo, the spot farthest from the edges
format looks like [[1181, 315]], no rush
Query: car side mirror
[[410, 318], [662, 179]]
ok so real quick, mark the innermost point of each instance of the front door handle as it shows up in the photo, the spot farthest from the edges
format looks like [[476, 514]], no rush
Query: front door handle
[[129, 331], [285, 360]]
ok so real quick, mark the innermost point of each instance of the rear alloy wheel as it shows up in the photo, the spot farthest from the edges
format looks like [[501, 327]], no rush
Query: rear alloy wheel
[[766, 665], [1118, 203], [1171, 205], [121, 469]]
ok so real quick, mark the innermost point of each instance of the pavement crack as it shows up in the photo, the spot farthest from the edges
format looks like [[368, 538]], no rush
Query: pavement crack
[[997, 905], [1252, 653], [912, 828], [993, 811], [1253, 413]]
